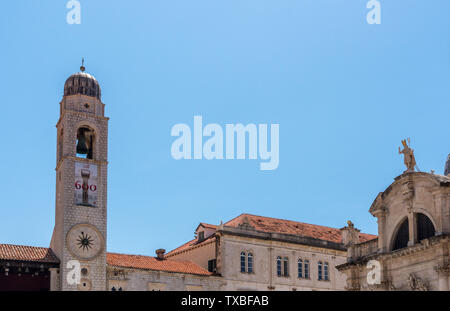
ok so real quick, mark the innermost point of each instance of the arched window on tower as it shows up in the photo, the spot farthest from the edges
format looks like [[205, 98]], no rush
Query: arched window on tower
[[402, 236], [425, 228], [85, 143]]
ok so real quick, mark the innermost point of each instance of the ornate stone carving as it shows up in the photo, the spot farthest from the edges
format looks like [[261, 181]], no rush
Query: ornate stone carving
[[407, 190], [442, 268], [416, 284], [245, 224], [390, 286], [378, 208]]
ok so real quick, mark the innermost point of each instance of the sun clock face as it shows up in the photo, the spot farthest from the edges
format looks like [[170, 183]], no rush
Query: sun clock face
[[84, 241]]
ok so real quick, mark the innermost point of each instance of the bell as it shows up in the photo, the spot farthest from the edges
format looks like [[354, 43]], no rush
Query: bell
[[81, 145]]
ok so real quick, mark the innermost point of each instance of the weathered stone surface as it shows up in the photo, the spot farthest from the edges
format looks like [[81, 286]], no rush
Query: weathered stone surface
[[422, 264]]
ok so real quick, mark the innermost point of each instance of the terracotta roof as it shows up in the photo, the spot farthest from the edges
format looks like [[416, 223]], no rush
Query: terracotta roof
[[191, 244], [27, 253], [152, 263], [46, 255], [275, 225]]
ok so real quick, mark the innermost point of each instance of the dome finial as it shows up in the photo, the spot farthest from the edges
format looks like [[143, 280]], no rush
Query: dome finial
[[82, 68]]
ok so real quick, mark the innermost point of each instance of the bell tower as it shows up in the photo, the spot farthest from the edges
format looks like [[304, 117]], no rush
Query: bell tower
[[81, 186]]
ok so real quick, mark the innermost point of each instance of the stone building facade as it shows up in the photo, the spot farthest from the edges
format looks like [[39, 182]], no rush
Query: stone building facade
[[413, 244], [260, 253], [80, 224], [248, 252], [79, 240]]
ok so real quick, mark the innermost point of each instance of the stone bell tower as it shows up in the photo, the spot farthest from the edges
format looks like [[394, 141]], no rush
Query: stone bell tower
[[81, 186]]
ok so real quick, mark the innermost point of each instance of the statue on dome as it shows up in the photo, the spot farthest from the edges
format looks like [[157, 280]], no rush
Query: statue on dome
[[409, 159]]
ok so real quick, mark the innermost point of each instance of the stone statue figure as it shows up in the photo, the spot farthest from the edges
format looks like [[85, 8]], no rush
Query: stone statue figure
[[416, 284], [409, 159]]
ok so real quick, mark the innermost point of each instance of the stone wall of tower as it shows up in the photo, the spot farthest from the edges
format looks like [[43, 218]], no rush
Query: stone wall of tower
[[78, 111]]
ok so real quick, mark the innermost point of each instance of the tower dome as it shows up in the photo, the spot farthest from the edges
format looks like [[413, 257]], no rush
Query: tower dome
[[82, 83]]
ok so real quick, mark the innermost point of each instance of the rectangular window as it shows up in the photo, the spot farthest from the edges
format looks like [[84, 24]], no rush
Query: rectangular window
[[212, 265], [279, 266], [201, 236], [250, 263], [306, 269], [319, 270], [243, 262], [300, 268], [286, 266], [325, 271]]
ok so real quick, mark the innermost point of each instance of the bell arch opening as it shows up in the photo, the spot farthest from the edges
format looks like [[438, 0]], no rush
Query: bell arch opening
[[425, 227], [85, 143], [402, 236]]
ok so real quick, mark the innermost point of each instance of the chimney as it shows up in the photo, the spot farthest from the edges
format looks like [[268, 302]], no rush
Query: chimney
[[160, 253], [447, 166]]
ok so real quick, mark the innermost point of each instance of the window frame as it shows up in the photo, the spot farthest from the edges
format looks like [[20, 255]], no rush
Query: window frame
[[243, 262], [286, 266], [320, 271], [212, 265], [306, 271], [250, 262], [326, 271], [201, 236], [279, 266], [300, 268]]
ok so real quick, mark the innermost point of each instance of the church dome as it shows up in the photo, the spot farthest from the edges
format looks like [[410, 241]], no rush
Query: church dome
[[82, 83]]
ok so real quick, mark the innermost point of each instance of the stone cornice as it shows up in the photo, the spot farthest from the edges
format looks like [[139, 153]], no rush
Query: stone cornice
[[81, 114], [126, 270], [75, 159], [425, 244], [406, 183], [26, 263]]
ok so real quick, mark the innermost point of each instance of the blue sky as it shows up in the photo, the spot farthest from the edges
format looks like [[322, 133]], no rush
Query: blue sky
[[344, 93]]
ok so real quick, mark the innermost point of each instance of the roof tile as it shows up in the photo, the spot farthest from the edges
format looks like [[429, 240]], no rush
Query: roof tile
[[152, 263], [275, 225], [27, 253]]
